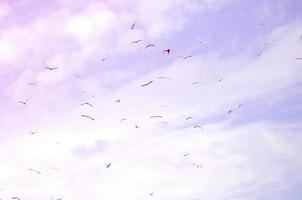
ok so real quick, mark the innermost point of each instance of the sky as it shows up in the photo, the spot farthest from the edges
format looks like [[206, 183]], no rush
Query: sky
[[86, 113]]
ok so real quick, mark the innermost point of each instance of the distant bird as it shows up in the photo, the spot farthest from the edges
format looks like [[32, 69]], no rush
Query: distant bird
[[32, 84], [136, 126], [186, 154], [118, 100], [230, 111], [23, 102], [197, 126], [86, 116], [87, 103], [197, 82], [76, 75], [151, 194], [187, 118], [167, 51], [164, 77], [51, 68], [145, 84], [299, 58], [185, 57], [132, 26], [240, 105], [33, 132], [123, 119], [107, 166], [17, 198], [221, 79], [155, 116], [149, 45], [136, 41], [33, 170], [103, 59]]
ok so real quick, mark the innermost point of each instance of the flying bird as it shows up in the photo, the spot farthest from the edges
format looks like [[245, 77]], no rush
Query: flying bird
[[51, 68], [103, 59], [151, 194], [167, 51], [33, 132], [230, 111], [17, 198], [118, 100], [132, 26], [155, 116], [86, 116], [197, 82], [186, 154], [185, 57], [145, 84], [36, 171], [187, 118], [23, 102], [123, 119], [107, 166], [136, 126], [149, 45], [87, 103], [197, 126], [299, 58], [136, 41]]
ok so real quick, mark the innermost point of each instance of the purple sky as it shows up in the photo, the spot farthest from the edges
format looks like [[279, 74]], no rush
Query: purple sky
[[243, 60]]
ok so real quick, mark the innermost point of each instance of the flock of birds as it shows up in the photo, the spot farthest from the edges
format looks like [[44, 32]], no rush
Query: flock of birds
[[148, 83]]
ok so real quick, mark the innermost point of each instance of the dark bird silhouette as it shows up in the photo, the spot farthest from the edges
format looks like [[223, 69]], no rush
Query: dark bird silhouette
[[185, 57], [123, 119], [87, 103], [51, 68], [230, 111], [107, 166], [136, 41], [299, 58], [197, 82], [33, 132], [86, 116], [155, 116], [35, 171], [17, 198], [136, 126], [149, 45], [197, 126], [187, 118], [23, 102], [118, 100], [167, 51], [151, 194], [186, 154], [32, 84], [145, 84], [132, 26]]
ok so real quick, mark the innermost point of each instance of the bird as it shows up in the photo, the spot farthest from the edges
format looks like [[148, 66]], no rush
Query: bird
[[32, 84], [197, 82], [299, 58], [151, 194], [108, 165], [186, 154], [51, 68], [167, 51], [197, 126], [155, 116], [136, 126], [185, 57], [86, 116], [136, 41], [230, 111], [24, 102], [187, 118], [33, 132], [149, 45], [103, 59], [17, 198], [118, 100], [87, 103], [36, 171], [123, 119], [132, 26], [145, 84]]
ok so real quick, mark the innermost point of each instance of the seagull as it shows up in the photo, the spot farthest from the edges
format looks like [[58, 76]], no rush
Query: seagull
[[36, 171], [107, 166], [17, 198], [186, 154], [185, 57], [24, 102], [123, 119], [155, 116], [87, 103], [33, 132], [145, 84], [299, 58], [136, 126], [197, 126], [118, 100], [86, 116], [51, 68], [132, 26], [136, 41], [149, 45], [197, 82], [229, 112], [187, 118], [167, 51]]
